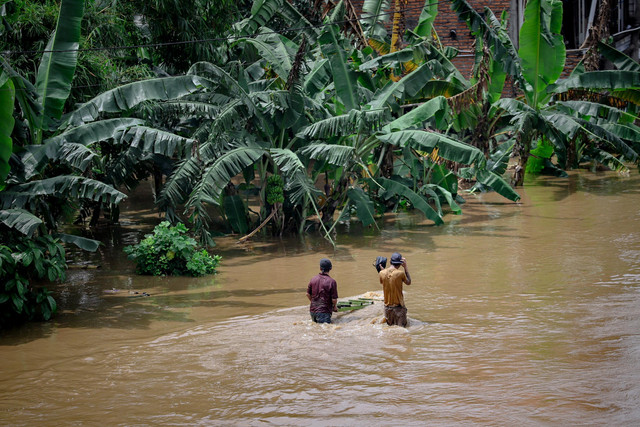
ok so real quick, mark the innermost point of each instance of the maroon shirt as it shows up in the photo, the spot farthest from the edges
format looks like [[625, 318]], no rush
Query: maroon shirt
[[322, 289]]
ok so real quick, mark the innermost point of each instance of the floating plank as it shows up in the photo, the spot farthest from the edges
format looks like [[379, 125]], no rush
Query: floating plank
[[351, 304]]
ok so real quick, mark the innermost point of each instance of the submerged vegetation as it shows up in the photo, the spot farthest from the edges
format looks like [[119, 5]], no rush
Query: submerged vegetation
[[169, 252], [300, 127]]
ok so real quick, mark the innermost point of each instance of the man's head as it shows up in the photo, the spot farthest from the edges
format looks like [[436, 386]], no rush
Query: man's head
[[325, 265], [396, 259]]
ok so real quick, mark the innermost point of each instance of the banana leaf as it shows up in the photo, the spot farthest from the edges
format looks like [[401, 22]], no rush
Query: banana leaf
[[318, 78], [297, 183], [150, 140], [297, 21], [499, 158], [448, 149], [344, 78], [498, 184], [81, 242], [629, 132], [393, 58], [25, 93], [374, 18], [216, 176], [542, 48], [596, 110], [497, 74], [409, 85], [127, 97], [447, 195], [364, 206], [435, 109], [426, 19], [619, 59], [504, 52], [91, 133], [62, 186], [394, 188], [263, 12], [613, 80], [337, 155], [608, 160], [272, 49], [236, 213], [58, 64], [345, 124], [20, 220]]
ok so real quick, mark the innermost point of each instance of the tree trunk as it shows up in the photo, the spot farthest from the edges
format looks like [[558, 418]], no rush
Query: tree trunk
[[523, 152]]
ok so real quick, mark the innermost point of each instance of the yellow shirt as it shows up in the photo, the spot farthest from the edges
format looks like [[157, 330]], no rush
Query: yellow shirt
[[392, 279]]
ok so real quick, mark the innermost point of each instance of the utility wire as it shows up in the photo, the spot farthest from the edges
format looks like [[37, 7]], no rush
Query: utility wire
[[210, 40], [228, 38]]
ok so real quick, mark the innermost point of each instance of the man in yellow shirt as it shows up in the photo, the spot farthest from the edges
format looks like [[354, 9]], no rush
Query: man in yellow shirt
[[392, 279]]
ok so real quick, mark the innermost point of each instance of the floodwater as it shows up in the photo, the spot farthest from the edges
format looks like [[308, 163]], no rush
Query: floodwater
[[520, 314]]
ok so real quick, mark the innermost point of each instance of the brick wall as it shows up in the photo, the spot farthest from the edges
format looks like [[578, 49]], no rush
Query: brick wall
[[446, 21], [573, 57]]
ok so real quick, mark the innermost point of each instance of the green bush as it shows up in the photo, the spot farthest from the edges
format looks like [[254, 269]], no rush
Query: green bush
[[21, 261], [169, 251]]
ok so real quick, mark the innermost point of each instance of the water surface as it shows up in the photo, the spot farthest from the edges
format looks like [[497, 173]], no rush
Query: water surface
[[520, 314]]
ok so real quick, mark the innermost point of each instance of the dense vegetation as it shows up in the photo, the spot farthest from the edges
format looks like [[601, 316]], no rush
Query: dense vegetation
[[312, 121], [170, 252]]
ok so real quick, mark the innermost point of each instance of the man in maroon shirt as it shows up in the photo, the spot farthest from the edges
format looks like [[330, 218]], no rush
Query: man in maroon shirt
[[322, 291]]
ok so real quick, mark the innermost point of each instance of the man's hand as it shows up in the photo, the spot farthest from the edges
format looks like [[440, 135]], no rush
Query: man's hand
[[406, 271]]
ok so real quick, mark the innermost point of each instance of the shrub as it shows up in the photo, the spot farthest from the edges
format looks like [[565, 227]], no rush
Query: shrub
[[23, 260], [169, 251]]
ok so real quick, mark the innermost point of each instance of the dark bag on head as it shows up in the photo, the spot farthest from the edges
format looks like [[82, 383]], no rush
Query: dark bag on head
[[380, 263]]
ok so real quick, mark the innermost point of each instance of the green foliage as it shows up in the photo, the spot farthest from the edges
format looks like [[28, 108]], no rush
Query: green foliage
[[7, 96], [22, 261], [169, 251]]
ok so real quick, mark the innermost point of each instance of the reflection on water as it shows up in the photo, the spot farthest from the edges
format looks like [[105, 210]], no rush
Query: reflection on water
[[521, 313]]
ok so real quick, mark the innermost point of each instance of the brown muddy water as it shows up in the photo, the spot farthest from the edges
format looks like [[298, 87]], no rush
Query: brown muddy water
[[520, 314]]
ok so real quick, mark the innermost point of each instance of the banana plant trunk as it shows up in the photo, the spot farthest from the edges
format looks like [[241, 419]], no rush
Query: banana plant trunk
[[521, 167], [398, 23]]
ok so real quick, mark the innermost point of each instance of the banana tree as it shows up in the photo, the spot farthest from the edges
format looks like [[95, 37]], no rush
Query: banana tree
[[338, 120], [585, 128]]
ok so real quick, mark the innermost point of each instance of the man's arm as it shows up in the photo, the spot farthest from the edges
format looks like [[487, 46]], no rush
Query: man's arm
[[335, 304], [406, 271]]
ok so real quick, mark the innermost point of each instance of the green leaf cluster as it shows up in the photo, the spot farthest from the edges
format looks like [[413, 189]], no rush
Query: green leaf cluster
[[21, 261], [169, 251]]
